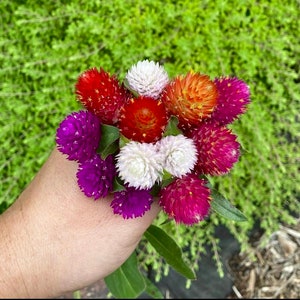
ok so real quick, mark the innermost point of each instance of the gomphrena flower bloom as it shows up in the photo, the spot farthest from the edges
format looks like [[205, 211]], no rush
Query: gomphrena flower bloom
[[131, 202], [179, 152], [234, 96], [139, 165], [101, 94], [143, 119], [95, 176], [186, 199], [192, 98], [147, 78], [218, 149], [163, 135], [78, 135]]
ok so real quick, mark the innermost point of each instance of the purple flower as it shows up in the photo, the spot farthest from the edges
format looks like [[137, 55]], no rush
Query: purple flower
[[234, 95], [132, 202], [78, 135], [95, 176]]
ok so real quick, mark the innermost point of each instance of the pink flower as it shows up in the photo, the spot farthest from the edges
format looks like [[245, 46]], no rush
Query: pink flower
[[186, 199], [234, 95], [218, 149]]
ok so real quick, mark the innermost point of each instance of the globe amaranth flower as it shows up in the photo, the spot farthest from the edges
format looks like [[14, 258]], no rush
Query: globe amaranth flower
[[78, 135], [147, 78], [143, 119], [186, 199], [95, 176], [179, 152], [234, 96], [131, 202], [101, 94], [139, 165], [218, 149], [192, 98]]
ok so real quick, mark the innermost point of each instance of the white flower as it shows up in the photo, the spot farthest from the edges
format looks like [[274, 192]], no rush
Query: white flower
[[147, 78], [180, 154], [139, 165]]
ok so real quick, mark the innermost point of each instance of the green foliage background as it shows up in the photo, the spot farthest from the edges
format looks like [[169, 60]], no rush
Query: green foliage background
[[45, 45]]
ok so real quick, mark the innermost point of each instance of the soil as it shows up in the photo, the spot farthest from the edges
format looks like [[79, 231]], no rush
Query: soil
[[271, 270]]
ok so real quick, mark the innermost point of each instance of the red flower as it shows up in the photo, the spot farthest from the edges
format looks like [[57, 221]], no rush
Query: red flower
[[101, 94], [192, 98], [143, 119]]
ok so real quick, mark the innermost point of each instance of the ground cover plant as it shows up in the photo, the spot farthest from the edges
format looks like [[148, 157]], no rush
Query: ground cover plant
[[46, 44]]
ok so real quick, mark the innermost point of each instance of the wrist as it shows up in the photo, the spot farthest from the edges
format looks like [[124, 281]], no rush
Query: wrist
[[24, 261], [13, 283]]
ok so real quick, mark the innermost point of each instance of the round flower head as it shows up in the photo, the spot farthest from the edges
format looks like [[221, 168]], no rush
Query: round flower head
[[143, 119], [131, 203], [95, 176], [101, 94], [78, 135], [186, 199], [139, 165], [217, 147], [234, 95], [180, 154], [191, 98], [147, 78]]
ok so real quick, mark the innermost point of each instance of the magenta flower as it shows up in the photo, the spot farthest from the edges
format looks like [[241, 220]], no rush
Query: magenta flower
[[218, 149], [95, 176], [234, 95], [186, 199], [78, 135], [132, 202]]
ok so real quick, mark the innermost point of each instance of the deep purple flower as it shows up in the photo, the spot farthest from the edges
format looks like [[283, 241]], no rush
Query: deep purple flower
[[95, 176], [131, 202], [186, 199], [234, 95], [78, 135]]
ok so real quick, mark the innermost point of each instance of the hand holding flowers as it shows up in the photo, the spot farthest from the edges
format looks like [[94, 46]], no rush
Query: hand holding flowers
[[152, 136]]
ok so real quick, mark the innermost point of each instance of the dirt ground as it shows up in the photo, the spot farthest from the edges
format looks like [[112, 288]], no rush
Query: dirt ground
[[271, 271]]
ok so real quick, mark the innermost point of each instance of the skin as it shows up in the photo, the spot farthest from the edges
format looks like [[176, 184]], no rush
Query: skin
[[54, 240]]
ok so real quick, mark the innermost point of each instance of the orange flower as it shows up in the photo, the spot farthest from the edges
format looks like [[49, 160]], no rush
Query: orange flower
[[192, 98]]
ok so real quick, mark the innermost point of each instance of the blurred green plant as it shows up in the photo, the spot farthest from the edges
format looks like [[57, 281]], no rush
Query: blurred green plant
[[46, 44]]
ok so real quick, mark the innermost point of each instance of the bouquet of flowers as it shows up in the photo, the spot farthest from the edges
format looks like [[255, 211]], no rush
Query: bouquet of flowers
[[154, 137]]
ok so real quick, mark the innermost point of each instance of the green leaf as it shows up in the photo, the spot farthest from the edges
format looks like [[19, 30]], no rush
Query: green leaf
[[152, 290], [172, 128], [126, 282], [123, 140], [109, 137], [223, 207], [166, 182], [169, 250], [117, 185]]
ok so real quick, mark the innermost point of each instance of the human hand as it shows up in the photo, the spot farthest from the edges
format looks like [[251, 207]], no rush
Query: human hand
[[56, 240]]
